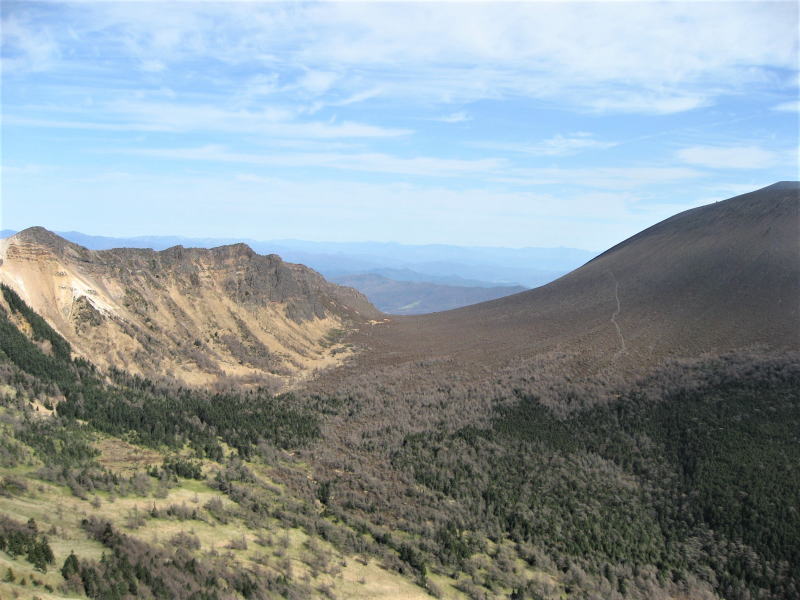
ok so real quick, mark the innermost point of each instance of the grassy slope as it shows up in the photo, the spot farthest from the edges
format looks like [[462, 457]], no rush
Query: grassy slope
[[273, 544]]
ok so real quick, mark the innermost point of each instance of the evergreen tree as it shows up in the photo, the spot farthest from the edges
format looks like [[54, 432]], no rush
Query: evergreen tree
[[70, 567]]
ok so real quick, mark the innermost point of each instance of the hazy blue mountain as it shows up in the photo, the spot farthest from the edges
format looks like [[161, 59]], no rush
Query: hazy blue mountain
[[409, 275], [420, 297], [475, 266], [555, 259], [492, 273]]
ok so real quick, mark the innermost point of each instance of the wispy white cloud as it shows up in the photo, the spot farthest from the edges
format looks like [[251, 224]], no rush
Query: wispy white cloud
[[177, 117], [456, 117], [256, 88], [347, 100], [358, 162], [498, 170], [790, 106], [607, 178], [579, 52], [12, 120], [446, 52], [332, 93], [731, 157], [152, 66], [653, 102], [558, 145], [317, 82], [27, 47]]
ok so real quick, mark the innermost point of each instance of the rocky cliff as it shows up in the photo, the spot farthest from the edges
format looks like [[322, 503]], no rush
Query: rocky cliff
[[200, 316]]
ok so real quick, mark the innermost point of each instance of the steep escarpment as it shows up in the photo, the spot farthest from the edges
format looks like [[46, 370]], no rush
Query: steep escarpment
[[199, 316]]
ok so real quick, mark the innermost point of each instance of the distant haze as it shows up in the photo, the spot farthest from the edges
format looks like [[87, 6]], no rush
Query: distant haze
[[470, 266]]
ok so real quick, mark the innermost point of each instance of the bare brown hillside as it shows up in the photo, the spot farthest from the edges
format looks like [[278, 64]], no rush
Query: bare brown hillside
[[199, 316], [711, 279]]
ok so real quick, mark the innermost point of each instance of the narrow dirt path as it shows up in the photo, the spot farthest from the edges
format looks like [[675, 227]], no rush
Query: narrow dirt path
[[616, 314]]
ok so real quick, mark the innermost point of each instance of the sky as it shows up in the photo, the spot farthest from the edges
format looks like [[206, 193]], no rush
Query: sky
[[495, 124]]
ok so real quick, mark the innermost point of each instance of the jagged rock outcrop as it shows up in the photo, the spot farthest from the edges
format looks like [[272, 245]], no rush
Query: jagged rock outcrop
[[200, 316]]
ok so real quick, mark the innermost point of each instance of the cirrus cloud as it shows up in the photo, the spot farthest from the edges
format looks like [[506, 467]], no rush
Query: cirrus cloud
[[733, 157]]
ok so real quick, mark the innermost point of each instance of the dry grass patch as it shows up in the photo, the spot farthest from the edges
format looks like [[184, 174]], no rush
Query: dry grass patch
[[24, 571], [372, 581], [125, 459], [52, 506]]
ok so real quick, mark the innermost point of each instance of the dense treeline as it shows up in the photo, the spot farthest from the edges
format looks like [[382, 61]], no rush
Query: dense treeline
[[18, 539], [714, 462], [151, 414], [57, 444], [41, 330], [21, 351], [66, 455], [159, 416]]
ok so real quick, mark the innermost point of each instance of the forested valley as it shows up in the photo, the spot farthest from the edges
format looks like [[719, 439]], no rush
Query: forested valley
[[683, 483]]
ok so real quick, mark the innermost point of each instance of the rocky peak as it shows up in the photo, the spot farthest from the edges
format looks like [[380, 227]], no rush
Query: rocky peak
[[41, 237]]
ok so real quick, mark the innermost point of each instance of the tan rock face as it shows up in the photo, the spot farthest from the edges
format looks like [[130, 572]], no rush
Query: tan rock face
[[199, 316]]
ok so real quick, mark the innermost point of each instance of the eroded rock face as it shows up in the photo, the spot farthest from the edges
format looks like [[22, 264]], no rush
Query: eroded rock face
[[201, 316]]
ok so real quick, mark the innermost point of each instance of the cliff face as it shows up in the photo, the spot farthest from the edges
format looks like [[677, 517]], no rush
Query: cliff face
[[196, 315]]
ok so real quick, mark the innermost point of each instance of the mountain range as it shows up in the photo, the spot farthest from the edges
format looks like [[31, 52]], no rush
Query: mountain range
[[437, 263], [214, 423], [691, 284], [452, 266]]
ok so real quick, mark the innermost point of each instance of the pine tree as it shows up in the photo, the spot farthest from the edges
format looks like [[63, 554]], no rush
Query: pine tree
[[70, 566]]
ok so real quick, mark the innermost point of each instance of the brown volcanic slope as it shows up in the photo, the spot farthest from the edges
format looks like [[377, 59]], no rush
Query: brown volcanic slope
[[199, 316], [714, 278]]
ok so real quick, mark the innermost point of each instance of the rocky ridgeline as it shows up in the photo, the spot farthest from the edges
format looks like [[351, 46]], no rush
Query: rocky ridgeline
[[214, 313]]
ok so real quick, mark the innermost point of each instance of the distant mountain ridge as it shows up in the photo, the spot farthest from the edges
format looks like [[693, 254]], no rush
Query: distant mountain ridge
[[420, 297], [715, 278], [504, 271], [196, 315], [414, 276], [490, 266]]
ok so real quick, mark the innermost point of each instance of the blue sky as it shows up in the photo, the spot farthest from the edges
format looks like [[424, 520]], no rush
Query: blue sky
[[506, 124]]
